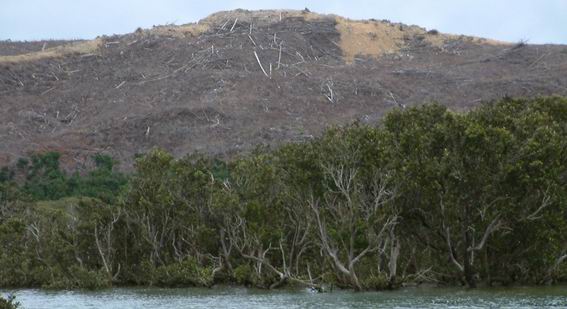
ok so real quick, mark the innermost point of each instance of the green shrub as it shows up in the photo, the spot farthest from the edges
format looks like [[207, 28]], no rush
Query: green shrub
[[78, 278], [14, 270], [376, 282], [243, 274], [329, 278], [9, 302], [6, 174], [143, 273], [88, 279], [185, 273], [60, 283]]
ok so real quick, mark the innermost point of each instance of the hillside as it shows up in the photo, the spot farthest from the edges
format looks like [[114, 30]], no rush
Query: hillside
[[239, 79]]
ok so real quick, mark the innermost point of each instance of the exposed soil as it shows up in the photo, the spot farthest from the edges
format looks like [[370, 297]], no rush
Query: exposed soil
[[199, 87]]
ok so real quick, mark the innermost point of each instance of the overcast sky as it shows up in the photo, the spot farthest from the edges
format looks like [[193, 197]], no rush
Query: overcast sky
[[538, 21]]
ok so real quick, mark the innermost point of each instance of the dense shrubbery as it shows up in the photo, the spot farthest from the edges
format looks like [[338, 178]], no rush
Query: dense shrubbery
[[428, 196]]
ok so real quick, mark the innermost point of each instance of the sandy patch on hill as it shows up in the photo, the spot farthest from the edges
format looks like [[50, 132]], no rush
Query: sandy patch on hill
[[376, 38]]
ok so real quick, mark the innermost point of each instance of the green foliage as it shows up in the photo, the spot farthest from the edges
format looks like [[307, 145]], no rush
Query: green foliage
[[185, 273], [143, 273], [46, 181], [22, 163], [243, 274], [13, 260], [77, 277], [430, 194], [88, 279], [6, 174], [9, 302], [376, 282], [102, 183]]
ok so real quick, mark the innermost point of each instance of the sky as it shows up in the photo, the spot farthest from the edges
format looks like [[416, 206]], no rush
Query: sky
[[534, 21]]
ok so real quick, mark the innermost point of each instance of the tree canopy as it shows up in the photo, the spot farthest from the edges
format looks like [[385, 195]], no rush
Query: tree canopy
[[427, 195]]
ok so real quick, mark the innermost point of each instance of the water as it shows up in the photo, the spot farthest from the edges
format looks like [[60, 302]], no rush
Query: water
[[228, 297]]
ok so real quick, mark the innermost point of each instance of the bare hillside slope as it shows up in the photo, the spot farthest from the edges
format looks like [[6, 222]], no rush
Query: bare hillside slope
[[239, 79]]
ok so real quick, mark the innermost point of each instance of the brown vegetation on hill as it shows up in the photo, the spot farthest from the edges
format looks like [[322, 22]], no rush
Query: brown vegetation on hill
[[240, 79]]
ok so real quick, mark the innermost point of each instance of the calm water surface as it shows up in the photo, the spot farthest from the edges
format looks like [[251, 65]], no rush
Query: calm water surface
[[227, 297]]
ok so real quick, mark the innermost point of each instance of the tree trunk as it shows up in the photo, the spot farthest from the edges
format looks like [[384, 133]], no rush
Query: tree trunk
[[467, 261], [393, 262], [354, 279]]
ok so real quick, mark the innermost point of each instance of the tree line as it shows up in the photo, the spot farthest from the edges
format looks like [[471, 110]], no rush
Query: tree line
[[428, 195]]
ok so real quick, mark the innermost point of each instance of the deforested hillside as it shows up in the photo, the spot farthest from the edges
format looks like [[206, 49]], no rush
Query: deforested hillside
[[239, 79]]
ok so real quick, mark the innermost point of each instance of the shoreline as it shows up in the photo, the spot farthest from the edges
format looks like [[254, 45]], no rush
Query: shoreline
[[291, 288]]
